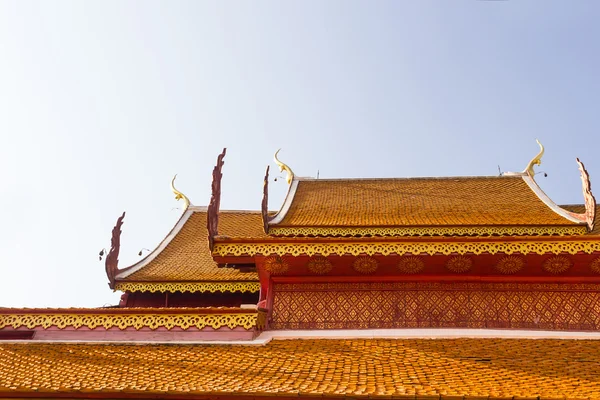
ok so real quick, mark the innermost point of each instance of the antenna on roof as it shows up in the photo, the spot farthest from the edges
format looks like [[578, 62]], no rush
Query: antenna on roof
[[499, 171], [317, 174]]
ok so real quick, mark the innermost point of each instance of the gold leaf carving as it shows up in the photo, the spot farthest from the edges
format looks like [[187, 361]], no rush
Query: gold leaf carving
[[595, 265], [459, 264], [510, 264], [192, 287], [365, 265], [411, 264], [401, 248], [276, 265], [557, 264], [429, 231], [319, 265]]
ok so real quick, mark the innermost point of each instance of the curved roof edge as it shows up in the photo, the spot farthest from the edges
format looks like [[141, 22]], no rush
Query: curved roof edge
[[548, 201], [125, 272], [289, 197]]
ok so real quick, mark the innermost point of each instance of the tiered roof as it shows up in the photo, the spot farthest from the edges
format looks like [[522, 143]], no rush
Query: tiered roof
[[410, 369]]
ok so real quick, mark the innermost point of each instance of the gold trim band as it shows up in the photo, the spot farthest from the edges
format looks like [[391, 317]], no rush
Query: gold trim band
[[192, 287], [429, 231], [137, 321], [372, 248]]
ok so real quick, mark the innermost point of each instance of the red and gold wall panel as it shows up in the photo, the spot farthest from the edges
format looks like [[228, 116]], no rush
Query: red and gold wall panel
[[436, 305]]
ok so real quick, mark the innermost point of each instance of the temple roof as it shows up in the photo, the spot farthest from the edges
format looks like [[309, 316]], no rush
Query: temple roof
[[508, 200], [184, 254], [490, 368]]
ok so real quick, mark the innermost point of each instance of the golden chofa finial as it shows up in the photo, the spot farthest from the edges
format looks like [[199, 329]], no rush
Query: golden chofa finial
[[284, 167], [179, 195], [537, 160]]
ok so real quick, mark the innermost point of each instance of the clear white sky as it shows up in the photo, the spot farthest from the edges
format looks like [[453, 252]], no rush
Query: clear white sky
[[101, 103]]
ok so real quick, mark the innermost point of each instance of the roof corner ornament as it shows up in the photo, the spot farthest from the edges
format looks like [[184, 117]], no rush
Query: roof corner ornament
[[284, 167], [265, 202], [212, 214], [112, 259], [179, 195], [590, 200], [537, 160]]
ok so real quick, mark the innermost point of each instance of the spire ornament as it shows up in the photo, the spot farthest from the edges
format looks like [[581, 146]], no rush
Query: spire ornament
[[212, 214], [111, 263], [537, 160], [284, 167], [590, 200], [179, 195]]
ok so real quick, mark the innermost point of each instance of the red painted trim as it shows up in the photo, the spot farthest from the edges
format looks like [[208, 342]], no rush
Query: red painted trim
[[435, 278]]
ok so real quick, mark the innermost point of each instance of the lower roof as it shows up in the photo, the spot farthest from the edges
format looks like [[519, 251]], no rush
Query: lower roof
[[534, 368]]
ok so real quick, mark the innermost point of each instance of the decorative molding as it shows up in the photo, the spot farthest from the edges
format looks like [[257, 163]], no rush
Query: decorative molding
[[264, 208], [191, 287], [411, 264], [194, 319], [212, 217], [459, 264], [111, 264], [557, 264], [276, 265], [590, 200], [365, 265], [319, 265], [510, 264], [429, 231], [401, 248]]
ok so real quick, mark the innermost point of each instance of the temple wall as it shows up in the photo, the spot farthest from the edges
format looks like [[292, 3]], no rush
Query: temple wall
[[372, 305]]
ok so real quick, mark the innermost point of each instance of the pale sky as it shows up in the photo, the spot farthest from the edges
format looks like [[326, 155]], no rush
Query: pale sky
[[101, 103]]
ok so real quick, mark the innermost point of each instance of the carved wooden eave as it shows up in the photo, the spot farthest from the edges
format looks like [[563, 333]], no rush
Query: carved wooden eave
[[212, 218], [265, 202], [589, 216], [111, 264]]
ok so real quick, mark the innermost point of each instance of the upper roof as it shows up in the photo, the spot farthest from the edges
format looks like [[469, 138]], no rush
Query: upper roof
[[184, 254], [503, 201], [489, 368]]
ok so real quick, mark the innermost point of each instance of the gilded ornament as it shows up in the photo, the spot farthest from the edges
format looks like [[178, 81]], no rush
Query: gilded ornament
[[365, 265], [590, 200], [429, 231], [196, 319], [191, 287], [459, 264], [276, 265], [411, 264], [595, 265], [537, 160], [557, 264], [179, 195], [319, 265], [510, 264], [400, 248], [284, 167]]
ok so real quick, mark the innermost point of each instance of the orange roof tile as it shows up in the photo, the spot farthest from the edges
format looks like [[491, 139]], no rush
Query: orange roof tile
[[496, 368], [460, 201], [187, 257]]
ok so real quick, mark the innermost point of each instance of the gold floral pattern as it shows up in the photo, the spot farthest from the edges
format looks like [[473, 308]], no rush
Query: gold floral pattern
[[557, 264], [459, 264], [595, 265], [365, 265], [411, 265], [319, 265], [510, 264], [276, 265]]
